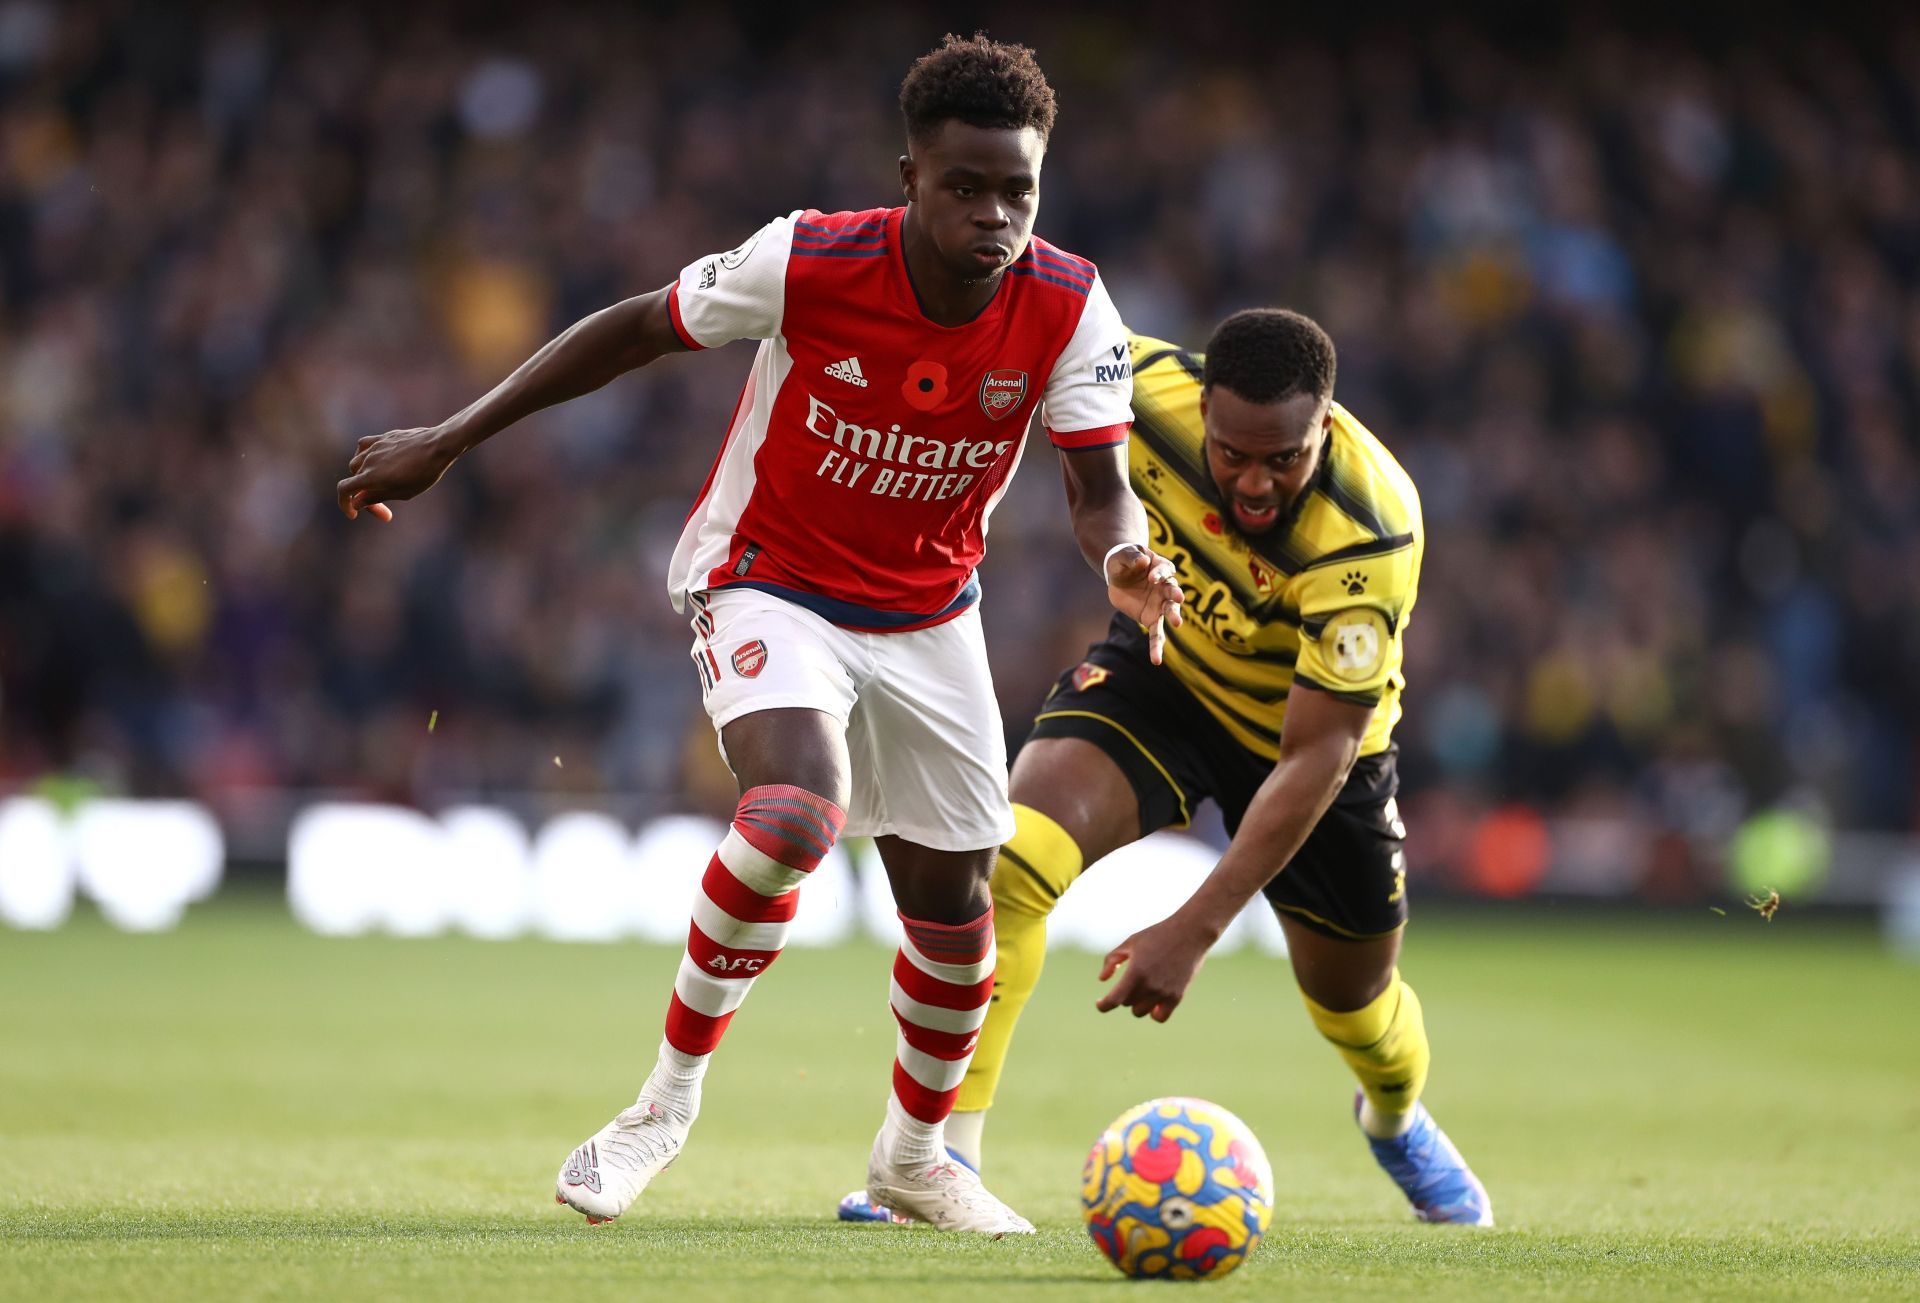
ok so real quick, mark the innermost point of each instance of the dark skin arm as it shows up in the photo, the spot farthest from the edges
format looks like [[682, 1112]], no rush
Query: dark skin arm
[[402, 464], [1318, 746], [1105, 512]]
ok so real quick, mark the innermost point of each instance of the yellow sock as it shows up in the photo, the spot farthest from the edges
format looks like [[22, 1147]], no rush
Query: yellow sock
[[1384, 1043], [1039, 863]]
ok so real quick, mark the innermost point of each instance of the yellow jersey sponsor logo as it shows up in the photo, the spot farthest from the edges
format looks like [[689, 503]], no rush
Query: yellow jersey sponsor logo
[[1358, 639]]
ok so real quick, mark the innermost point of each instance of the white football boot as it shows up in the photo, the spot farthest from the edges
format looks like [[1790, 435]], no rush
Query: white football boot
[[943, 1193], [605, 1175]]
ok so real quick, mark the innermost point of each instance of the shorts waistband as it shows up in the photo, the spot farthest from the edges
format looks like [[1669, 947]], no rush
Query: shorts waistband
[[864, 619]]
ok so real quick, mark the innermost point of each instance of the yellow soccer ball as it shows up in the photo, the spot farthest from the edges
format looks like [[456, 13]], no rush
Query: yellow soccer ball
[[1177, 1188]]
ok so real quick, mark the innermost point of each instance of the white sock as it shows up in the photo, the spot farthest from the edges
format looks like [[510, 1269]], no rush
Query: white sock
[[1383, 1126], [963, 1135], [674, 1083], [906, 1141]]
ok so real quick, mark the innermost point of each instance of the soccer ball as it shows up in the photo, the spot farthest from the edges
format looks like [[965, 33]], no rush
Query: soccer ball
[[1177, 1188]]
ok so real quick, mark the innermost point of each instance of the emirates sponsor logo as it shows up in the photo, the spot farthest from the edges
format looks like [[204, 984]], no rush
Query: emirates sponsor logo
[[897, 463]]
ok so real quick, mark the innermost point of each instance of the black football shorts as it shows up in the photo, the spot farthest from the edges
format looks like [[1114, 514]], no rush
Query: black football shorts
[[1348, 879]]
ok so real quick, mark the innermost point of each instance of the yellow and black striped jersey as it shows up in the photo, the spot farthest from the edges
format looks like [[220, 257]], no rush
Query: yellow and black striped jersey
[[1322, 599]]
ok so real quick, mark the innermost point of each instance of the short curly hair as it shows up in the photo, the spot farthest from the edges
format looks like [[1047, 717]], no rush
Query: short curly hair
[[982, 82], [1266, 354]]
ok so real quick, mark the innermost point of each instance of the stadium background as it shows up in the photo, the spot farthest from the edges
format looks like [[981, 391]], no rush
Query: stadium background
[[1636, 305], [1633, 291]]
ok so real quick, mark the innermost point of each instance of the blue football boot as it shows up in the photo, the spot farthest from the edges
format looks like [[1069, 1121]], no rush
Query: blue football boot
[[1430, 1172], [857, 1207]]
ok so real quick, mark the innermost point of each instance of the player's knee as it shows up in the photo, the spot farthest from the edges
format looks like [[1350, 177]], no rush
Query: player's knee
[[789, 824], [1037, 864]]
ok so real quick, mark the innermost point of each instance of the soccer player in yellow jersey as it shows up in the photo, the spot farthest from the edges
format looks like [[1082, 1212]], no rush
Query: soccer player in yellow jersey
[[1298, 539]]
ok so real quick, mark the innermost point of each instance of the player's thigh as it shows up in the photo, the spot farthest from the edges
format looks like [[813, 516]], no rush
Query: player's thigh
[[1075, 783], [1342, 902], [929, 753], [776, 683], [789, 747]]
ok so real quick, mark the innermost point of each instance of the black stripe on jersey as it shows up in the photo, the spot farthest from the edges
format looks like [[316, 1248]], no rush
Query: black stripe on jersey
[[1168, 450], [1357, 511], [1358, 551], [1188, 362], [1353, 698], [1212, 675]]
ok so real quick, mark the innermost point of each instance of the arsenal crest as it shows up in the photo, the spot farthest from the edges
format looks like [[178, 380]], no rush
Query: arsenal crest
[[1002, 392], [749, 658]]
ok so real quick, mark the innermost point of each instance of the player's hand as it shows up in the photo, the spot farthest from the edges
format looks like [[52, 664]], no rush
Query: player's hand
[[393, 467], [1142, 585], [1159, 964]]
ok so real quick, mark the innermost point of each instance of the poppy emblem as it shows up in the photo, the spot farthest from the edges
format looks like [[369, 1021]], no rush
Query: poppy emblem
[[1002, 392], [925, 387], [749, 658]]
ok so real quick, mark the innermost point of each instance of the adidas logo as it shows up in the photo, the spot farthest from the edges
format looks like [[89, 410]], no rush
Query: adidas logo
[[848, 371]]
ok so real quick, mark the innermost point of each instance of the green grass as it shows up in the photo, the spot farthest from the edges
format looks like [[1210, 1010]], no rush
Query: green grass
[[1667, 1108]]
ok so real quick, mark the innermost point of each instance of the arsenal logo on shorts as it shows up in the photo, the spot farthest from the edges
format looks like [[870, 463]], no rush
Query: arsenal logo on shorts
[[749, 658], [1002, 392]]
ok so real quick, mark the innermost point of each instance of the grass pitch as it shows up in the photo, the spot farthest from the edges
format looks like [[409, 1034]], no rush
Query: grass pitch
[[1705, 1107]]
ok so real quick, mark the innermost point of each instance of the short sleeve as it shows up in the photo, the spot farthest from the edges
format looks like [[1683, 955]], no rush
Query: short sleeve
[[1352, 613], [1089, 397], [740, 294]]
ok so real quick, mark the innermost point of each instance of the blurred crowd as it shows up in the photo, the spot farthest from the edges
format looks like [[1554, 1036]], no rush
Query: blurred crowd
[[1641, 313]]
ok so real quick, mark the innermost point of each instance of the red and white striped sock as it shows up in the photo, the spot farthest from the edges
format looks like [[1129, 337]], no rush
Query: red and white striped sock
[[740, 922], [942, 981]]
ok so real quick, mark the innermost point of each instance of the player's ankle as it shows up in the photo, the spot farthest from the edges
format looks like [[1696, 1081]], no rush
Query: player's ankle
[[906, 1141], [963, 1133], [674, 1084], [1382, 1125]]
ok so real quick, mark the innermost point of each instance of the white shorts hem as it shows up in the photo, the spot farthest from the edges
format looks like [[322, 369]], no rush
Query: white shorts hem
[[722, 718], [944, 839]]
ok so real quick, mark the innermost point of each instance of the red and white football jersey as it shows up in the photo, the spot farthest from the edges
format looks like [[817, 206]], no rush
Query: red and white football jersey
[[869, 444]]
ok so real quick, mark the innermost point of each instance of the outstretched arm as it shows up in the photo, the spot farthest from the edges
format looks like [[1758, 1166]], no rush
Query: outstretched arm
[[1318, 746], [402, 464], [1111, 528]]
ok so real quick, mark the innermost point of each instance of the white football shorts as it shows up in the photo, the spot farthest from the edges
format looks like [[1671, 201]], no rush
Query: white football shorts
[[928, 757]]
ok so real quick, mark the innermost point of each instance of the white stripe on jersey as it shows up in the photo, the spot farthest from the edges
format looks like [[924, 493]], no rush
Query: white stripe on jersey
[[708, 535]]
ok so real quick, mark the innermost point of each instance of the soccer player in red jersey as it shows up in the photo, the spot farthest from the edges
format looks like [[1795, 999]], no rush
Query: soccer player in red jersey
[[828, 571]]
